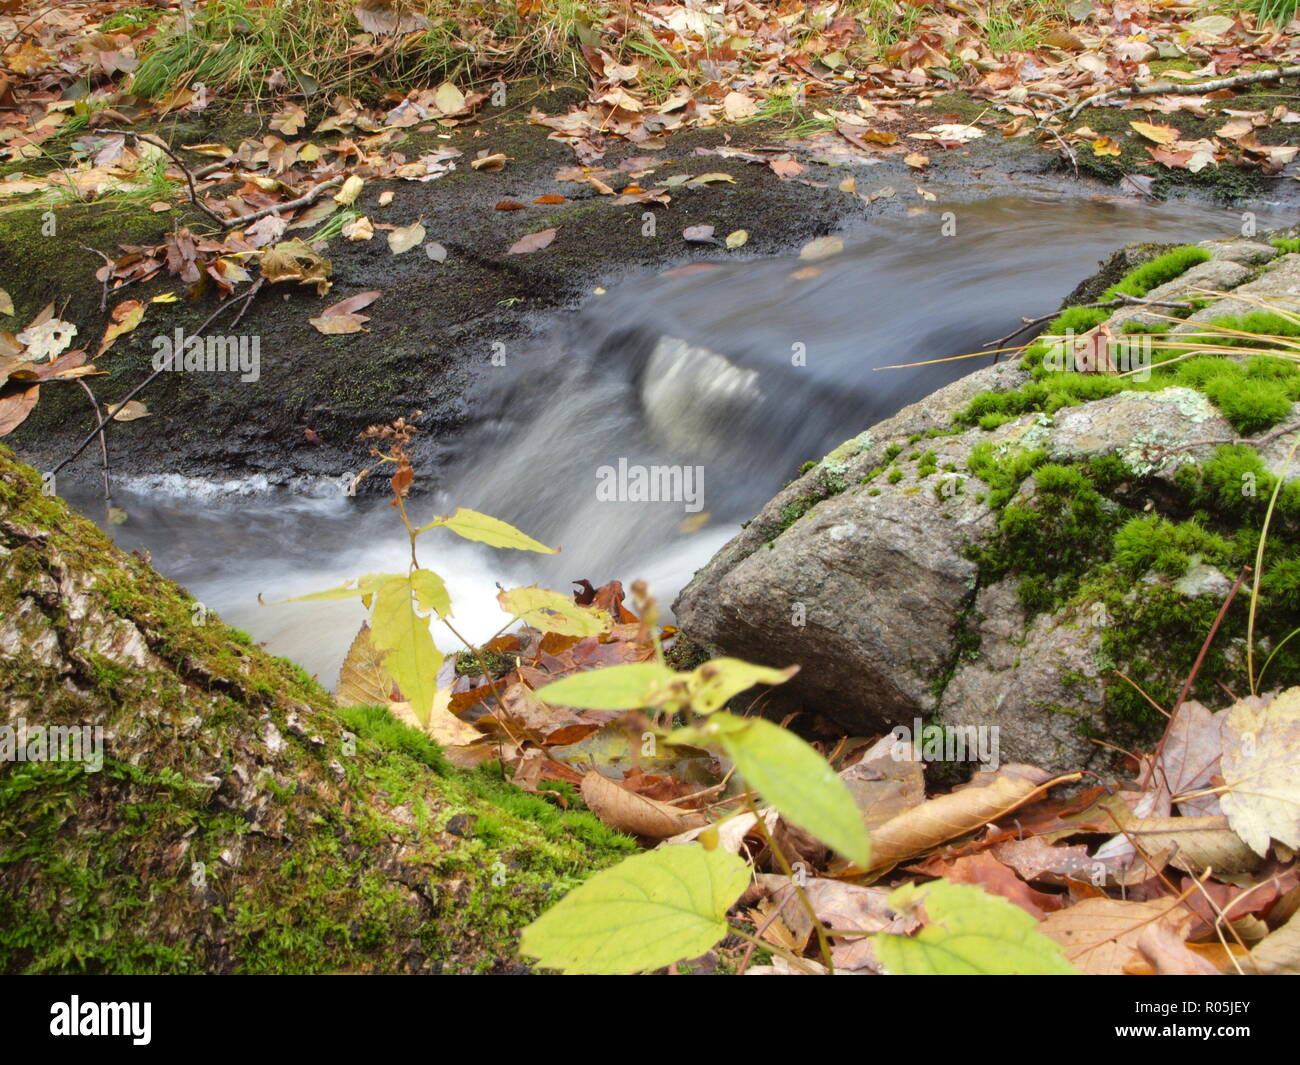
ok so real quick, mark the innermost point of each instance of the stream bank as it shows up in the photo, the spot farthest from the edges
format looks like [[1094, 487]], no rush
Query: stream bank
[[433, 334]]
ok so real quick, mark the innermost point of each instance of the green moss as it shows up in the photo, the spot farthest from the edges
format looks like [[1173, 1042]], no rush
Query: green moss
[[1003, 469], [1287, 245], [1051, 538], [1158, 271]]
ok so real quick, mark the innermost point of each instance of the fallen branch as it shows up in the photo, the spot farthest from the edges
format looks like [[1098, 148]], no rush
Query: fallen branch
[[302, 201], [1162, 88], [1267, 438]]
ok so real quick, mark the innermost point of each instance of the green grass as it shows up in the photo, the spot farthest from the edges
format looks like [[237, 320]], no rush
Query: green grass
[[1277, 12], [235, 45]]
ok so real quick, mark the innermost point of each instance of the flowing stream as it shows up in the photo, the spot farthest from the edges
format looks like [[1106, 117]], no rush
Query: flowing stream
[[737, 373]]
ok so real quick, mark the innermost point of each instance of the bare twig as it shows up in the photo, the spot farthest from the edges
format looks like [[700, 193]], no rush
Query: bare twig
[[302, 201], [1122, 300], [103, 446], [103, 288]]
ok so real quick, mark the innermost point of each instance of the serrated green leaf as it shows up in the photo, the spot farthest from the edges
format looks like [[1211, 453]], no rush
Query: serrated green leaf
[[968, 933], [795, 779], [716, 681], [430, 592], [403, 635], [362, 586], [648, 911], [553, 612], [487, 530], [626, 687]]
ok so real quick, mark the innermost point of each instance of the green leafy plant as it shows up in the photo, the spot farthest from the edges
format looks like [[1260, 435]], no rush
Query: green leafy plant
[[403, 605], [670, 904]]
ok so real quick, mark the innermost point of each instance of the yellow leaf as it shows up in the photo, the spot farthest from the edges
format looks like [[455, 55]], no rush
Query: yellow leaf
[[349, 191], [130, 412], [550, 611], [404, 238], [1158, 134], [488, 530]]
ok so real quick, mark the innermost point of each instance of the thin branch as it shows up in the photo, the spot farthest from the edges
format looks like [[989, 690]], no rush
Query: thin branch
[[1122, 300], [1162, 88], [103, 288], [103, 446], [302, 201]]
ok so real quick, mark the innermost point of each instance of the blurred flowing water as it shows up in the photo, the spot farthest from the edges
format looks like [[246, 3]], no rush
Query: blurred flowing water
[[696, 368]]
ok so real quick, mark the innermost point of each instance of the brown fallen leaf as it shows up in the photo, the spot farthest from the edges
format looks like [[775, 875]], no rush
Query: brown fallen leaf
[[130, 411], [1261, 767], [533, 241], [353, 303], [1100, 936], [404, 238], [489, 162], [947, 817], [551, 197], [337, 324], [510, 205], [629, 812], [15, 406], [1278, 954]]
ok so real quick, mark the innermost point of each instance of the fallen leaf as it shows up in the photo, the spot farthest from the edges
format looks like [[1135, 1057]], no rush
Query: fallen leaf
[[132, 410], [626, 811], [699, 234], [1261, 769], [404, 238], [15, 407], [1100, 936], [737, 239], [349, 190], [489, 162], [334, 324], [533, 241], [510, 205], [359, 229], [125, 317], [1158, 134], [821, 248]]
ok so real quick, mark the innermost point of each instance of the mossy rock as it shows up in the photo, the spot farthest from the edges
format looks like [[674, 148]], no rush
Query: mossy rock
[[240, 821]]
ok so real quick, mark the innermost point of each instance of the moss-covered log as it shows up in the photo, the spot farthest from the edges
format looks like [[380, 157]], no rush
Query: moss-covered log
[[240, 821]]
